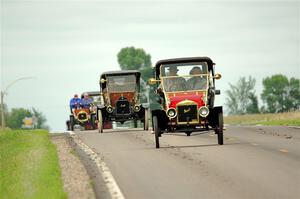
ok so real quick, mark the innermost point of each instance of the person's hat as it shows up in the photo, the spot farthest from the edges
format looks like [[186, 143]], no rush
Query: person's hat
[[194, 69]]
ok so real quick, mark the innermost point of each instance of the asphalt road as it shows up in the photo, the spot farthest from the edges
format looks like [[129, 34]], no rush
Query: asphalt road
[[254, 162]]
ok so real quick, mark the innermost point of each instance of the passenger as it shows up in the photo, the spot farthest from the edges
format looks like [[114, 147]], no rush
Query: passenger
[[197, 82], [174, 83], [86, 102], [74, 103]]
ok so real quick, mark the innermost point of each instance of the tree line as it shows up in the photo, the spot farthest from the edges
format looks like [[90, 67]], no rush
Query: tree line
[[279, 94], [14, 118]]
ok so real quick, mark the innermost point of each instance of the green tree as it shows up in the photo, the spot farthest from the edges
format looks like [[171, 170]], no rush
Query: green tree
[[294, 93], [16, 116], [131, 58], [41, 119], [241, 98], [280, 94]]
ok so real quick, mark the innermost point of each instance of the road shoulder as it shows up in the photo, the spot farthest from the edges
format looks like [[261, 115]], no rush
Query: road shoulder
[[76, 180]]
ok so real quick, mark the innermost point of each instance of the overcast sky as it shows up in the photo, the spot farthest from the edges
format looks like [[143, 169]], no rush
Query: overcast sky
[[66, 45]]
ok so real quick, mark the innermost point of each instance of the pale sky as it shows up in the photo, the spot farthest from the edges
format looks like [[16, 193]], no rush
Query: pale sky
[[66, 45]]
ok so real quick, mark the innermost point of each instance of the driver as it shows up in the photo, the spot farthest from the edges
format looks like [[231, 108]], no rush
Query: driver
[[86, 102], [176, 83], [197, 82]]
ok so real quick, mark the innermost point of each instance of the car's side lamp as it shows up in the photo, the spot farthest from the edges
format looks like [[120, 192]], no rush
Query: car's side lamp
[[217, 92], [217, 76], [153, 81], [102, 81]]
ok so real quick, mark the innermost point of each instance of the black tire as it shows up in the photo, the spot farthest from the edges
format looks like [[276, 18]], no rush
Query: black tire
[[135, 123], [93, 121], [188, 133], [146, 120], [72, 122], [100, 122], [220, 129], [156, 131]]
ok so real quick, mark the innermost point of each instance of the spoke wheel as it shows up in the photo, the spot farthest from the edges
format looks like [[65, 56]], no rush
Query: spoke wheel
[[156, 131], [71, 123], [220, 129], [100, 122], [146, 120]]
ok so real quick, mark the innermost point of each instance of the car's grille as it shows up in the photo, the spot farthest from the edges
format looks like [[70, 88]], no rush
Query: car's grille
[[82, 116], [122, 107], [187, 113]]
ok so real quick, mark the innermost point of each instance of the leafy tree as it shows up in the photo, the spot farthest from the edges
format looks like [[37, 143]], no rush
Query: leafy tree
[[294, 93], [41, 119], [131, 58], [16, 116], [241, 98], [280, 94]]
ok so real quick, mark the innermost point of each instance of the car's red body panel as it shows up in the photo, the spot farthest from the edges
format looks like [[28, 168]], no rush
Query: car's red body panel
[[178, 97]]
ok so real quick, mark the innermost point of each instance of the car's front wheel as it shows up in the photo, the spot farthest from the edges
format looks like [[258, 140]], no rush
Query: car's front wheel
[[100, 122], [219, 130], [93, 121], [72, 123], [156, 131], [146, 120]]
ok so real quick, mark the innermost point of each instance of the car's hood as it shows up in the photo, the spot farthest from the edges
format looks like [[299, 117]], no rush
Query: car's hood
[[196, 98]]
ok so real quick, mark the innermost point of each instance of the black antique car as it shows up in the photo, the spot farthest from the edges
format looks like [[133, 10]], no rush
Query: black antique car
[[120, 91], [185, 88]]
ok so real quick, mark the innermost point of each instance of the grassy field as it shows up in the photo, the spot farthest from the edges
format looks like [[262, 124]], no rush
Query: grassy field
[[287, 119], [29, 165]]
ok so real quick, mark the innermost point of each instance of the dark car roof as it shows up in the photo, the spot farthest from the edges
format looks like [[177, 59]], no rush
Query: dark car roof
[[121, 72], [92, 93], [183, 60]]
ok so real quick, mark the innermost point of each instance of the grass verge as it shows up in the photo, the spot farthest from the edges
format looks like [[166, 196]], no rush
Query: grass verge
[[29, 165], [275, 119]]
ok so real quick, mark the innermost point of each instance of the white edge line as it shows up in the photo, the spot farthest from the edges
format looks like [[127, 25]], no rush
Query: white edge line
[[110, 182]]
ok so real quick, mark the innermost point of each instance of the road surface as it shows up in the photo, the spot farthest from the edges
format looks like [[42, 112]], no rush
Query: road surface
[[254, 162]]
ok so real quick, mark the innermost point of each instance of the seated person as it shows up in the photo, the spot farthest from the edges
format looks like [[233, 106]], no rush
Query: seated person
[[74, 103], [197, 82], [86, 102], [175, 83]]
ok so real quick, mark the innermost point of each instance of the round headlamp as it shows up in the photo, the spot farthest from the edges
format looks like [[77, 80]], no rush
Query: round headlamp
[[109, 109], [137, 108], [171, 112], [203, 111]]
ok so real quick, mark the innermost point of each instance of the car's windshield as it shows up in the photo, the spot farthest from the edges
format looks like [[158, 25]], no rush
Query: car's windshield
[[121, 83], [184, 76]]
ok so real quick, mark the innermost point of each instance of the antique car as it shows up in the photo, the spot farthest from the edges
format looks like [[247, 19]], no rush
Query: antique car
[[120, 91], [185, 88], [85, 117]]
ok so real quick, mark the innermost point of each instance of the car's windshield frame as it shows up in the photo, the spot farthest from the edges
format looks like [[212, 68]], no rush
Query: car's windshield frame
[[185, 69]]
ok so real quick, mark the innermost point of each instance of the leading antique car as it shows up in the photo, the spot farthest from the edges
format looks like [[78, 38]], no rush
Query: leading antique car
[[185, 88], [120, 91]]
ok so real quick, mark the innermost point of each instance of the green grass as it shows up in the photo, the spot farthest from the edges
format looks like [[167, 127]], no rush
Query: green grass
[[29, 165], [275, 119]]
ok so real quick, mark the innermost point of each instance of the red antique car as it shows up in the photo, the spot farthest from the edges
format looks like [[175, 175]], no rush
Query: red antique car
[[186, 92]]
